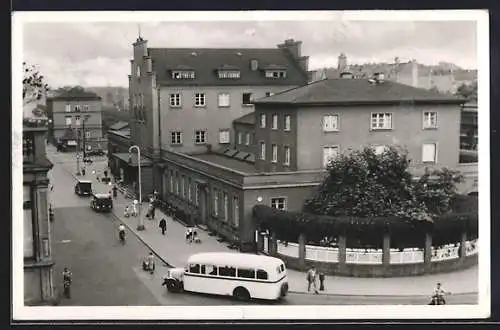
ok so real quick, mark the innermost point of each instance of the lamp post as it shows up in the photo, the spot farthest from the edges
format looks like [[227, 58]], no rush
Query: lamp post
[[140, 225], [83, 129]]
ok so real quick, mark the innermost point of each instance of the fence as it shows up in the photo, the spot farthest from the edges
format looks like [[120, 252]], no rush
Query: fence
[[446, 252], [363, 256], [407, 256], [324, 254], [471, 247]]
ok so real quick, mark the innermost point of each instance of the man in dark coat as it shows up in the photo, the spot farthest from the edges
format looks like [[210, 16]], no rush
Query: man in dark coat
[[163, 226]]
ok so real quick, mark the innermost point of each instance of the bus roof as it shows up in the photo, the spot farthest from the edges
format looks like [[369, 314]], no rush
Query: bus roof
[[234, 259], [84, 181]]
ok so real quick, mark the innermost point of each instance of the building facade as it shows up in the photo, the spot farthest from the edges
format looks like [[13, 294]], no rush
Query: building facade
[[38, 262], [468, 127], [72, 111]]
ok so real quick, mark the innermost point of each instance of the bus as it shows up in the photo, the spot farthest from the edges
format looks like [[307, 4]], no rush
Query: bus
[[242, 276]]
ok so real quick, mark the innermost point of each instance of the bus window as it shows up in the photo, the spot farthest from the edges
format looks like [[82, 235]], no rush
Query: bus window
[[282, 267], [209, 270], [227, 271], [278, 270], [194, 268], [246, 273], [262, 274]]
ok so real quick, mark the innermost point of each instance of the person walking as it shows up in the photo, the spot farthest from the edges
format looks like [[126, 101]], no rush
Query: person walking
[[163, 226], [134, 207], [321, 281], [67, 277], [151, 262], [311, 279]]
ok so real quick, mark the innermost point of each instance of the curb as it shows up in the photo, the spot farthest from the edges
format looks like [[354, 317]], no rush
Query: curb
[[378, 295]]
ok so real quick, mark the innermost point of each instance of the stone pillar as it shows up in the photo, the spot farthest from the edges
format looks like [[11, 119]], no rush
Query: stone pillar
[[342, 249], [463, 239], [273, 244], [386, 248], [302, 251], [427, 251]]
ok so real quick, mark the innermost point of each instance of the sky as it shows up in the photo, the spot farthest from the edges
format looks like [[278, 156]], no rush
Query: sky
[[98, 53]]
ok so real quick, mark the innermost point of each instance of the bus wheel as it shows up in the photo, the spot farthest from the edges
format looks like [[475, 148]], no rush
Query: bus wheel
[[241, 294]]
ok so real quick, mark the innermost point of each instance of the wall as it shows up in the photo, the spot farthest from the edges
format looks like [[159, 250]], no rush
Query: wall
[[188, 118], [354, 132], [276, 136]]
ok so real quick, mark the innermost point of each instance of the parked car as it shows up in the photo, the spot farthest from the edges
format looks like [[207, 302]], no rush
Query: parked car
[[83, 188], [101, 203], [95, 152]]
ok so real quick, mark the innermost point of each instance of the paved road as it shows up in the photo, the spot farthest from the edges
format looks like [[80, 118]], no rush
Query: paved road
[[107, 273]]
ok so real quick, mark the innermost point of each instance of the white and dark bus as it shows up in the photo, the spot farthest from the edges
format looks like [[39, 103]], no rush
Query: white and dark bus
[[243, 276]]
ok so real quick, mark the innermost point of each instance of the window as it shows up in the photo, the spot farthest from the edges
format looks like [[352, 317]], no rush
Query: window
[[262, 120], [236, 211], [246, 273], [183, 186], [175, 100], [194, 268], [171, 181], [429, 153], [208, 269], [240, 137], [223, 99], [430, 119], [176, 138], [262, 274], [77, 120], [78, 108], [29, 243], [67, 108], [199, 99], [330, 123], [286, 160], [68, 121], [85, 107], [190, 188], [275, 122], [287, 122], [247, 139], [216, 202], [88, 134], [177, 183], [262, 151], [275, 153], [227, 271], [329, 153], [183, 75], [226, 207], [269, 94], [28, 147], [224, 136], [247, 98], [379, 149], [278, 203], [197, 195], [200, 137], [229, 74], [275, 74], [381, 121]]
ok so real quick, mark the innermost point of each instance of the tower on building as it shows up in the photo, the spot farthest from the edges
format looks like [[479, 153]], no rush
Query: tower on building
[[342, 63]]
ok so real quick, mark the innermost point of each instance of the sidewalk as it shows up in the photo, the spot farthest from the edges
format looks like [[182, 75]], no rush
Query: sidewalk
[[174, 251]]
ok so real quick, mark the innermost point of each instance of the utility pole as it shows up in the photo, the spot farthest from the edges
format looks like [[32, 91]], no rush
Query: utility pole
[[84, 136], [78, 154]]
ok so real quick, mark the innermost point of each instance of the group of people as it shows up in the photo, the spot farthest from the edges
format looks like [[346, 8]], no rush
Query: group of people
[[312, 277], [192, 235]]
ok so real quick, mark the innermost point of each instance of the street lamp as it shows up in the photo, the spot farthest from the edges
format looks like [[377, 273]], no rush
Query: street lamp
[[140, 225]]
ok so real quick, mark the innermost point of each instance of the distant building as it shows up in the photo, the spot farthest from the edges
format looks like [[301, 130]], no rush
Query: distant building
[[67, 112], [468, 127], [38, 262]]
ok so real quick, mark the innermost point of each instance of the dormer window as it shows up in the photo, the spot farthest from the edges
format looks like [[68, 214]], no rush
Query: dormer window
[[187, 74], [275, 74], [225, 74]]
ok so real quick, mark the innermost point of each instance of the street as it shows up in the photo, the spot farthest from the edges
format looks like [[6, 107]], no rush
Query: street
[[106, 272]]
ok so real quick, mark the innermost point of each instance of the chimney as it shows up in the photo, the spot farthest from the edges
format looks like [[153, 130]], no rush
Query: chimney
[[414, 73], [294, 47], [254, 65]]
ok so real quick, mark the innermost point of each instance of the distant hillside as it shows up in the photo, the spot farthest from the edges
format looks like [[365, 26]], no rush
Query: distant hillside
[[112, 96]]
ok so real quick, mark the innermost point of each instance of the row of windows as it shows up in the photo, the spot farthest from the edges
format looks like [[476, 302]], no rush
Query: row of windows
[[76, 107], [200, 137], [274, 153], [227, 271], [274, 121], [429, 152], [200, 99], [183, 187], [222, 74]]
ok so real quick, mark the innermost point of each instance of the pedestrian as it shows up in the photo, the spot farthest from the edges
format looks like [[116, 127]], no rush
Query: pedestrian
[[151, 262], [67, 282], [126, 213], [134, 207], [51, 187], [311, 279], [321, 281], [163, 226], [83, 171], [153, 211], [188, 235], [115, 191]]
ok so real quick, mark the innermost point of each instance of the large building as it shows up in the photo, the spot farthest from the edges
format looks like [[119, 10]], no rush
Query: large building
[[185, 100], [72, 111], [38, 262], [279, 154]]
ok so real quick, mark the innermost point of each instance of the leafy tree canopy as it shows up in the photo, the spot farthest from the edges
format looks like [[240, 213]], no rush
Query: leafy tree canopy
[[365, 184], [34, 84], [468, 91]]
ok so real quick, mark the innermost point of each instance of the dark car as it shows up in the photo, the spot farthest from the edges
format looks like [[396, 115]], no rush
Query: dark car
[[95, 152], [101, 203], [83, 188]]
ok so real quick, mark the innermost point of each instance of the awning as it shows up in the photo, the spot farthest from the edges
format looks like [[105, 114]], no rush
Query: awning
[[124, 156]]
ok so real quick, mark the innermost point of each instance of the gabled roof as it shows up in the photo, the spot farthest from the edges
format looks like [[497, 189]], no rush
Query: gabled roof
[[248, 119], [118, 126], [357, 92], [206, 61]]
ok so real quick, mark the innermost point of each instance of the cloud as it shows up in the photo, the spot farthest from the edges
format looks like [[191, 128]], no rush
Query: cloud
[[99, 53]]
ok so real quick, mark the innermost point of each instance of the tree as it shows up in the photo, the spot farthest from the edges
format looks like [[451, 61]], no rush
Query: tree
[[34, 84], [468, 91], [69, 89], [365, 184]]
